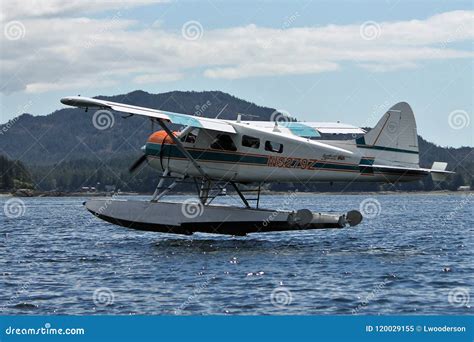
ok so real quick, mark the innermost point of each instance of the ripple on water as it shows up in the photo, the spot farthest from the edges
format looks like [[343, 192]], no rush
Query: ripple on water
[[398, 260], [25, 306]]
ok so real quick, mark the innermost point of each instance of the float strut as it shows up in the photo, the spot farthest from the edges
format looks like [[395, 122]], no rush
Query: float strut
[[164, 192], [160, 185], [242, 197]]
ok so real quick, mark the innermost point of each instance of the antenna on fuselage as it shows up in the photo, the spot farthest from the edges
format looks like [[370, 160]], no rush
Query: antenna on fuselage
[[275, 128]]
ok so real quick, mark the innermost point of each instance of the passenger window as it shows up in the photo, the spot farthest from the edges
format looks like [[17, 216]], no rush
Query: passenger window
[[273, 147], [223, 142], [249, 141], [191, 136]]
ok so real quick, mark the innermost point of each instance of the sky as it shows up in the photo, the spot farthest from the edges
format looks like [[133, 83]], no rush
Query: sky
[[317, 60]]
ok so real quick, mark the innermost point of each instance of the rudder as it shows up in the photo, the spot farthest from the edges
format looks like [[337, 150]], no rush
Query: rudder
[[394, 139]]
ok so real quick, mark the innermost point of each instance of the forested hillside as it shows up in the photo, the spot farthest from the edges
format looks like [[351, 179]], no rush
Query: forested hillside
[[14, 175], [65, 151]]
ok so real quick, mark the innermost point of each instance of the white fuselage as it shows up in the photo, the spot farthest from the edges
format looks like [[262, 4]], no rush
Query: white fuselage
[[263, 155]]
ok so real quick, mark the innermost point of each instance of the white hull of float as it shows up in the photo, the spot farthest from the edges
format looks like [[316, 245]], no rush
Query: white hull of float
[[179, 218]]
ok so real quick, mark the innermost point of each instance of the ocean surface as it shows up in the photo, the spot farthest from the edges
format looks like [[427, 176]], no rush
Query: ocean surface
[[414, 255]]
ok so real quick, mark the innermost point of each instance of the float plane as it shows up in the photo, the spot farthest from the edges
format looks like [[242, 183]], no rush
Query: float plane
[[215, 154]]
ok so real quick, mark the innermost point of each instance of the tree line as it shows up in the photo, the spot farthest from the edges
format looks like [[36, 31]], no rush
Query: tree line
[[73, 175]]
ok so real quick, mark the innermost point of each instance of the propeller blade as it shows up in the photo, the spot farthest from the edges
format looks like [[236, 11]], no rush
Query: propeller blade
[[137, 163]]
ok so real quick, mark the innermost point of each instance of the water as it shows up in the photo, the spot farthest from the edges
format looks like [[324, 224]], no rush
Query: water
[[414, 257]]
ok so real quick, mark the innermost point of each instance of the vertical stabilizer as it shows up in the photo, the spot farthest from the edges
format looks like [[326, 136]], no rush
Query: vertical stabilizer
[[394, 139]]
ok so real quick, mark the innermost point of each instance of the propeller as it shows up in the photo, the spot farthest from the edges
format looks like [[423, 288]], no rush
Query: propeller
[[137, 163], [142, 158]]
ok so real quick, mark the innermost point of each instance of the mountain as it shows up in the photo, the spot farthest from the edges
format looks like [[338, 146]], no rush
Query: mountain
[[65, 150], [69, 133]]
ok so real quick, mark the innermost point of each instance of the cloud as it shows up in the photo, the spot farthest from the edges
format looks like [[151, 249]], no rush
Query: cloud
[[42, 87], [61, 51], [157, 78], [22, 9], [269, 69]]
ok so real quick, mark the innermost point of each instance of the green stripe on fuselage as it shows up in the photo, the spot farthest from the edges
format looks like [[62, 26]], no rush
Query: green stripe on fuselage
[[366, 161], [320, 165], [383, 148], [171, 151]]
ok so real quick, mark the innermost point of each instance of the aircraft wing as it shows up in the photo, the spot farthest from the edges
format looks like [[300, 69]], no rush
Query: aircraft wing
[[335, 128], [176, 118], [307, 129]]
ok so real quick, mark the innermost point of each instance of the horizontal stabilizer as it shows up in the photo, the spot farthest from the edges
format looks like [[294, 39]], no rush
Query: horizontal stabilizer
[[395, 169], [439, 173], [439, 166]]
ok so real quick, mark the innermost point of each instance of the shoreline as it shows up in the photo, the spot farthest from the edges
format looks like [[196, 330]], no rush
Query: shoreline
[[263, 193]]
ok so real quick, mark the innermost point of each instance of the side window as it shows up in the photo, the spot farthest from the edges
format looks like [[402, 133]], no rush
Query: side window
[[191, 136], [273, 146], [249, 141], [223, 142]]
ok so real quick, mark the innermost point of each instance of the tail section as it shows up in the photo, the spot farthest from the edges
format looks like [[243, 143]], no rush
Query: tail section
[[394, 140], [391, 148]]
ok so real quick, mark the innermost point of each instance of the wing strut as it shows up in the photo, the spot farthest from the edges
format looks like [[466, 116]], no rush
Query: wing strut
[[180, 146]]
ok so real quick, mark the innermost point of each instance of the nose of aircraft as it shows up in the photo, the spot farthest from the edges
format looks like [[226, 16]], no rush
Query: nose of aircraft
[[155, 141], [160, 137]]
